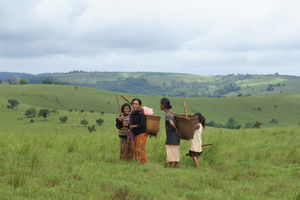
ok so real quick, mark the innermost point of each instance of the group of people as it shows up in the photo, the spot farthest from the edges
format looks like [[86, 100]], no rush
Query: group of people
[[132, 133]]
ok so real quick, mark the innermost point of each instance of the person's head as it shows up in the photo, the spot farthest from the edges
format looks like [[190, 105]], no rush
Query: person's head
[[201, 118], [165, 104], [136, 103], [126, 108]]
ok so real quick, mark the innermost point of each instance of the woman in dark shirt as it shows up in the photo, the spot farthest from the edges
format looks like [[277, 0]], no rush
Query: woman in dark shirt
[[138, 133], [172, 141], [122, 123]]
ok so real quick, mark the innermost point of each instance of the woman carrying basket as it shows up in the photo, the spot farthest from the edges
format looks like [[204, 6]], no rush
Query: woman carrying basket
[[138, 133], [172, 141], [122, 123]]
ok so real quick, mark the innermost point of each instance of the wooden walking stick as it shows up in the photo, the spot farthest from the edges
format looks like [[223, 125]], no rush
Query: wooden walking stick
[[119, 109], [205, 145], [184, 108], [126, 99]]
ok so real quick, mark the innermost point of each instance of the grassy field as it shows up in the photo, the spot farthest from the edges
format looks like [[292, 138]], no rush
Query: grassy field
[[47, 159], [50, 160], [284, 108]]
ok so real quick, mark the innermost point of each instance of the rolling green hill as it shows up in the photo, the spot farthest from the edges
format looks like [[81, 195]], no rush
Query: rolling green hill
[[285, 109], [173, 84], [47, 159]]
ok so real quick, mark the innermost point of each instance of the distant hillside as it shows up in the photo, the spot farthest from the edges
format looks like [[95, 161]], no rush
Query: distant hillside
[[279, 110], [178, 85]]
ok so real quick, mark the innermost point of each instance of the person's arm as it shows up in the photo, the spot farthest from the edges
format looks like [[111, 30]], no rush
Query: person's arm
[[119, 122], [170, 119], [197, 126], [172, 124]]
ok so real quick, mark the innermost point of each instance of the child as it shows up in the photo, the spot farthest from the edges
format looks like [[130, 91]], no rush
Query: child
[[196, 142], [122, 123]]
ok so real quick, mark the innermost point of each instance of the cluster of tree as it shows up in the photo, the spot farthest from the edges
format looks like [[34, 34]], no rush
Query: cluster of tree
[[270, 87], [12, 103], [232, 124], [92, 128], [32, 112], [16, 80]]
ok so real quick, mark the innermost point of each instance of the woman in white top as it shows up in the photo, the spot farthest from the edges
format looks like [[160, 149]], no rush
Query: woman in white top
[[196, 142]]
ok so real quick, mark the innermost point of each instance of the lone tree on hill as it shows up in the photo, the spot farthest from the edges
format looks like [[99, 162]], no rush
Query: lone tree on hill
[[47, 81], [44, 113], [31, 112], [257, 124], [14, 80], [232, 124], [12, 103], [91, 128], [63, 119], [84, 122], [23, 81], [99, 121]]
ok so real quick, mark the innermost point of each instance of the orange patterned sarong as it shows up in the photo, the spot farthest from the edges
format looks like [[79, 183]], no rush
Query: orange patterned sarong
[[140, 147]]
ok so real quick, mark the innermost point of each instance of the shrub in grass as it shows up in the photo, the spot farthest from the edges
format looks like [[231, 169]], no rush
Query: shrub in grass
[[84, 122], [257, 124], [12, 103], [31, 121], [31, 112], [44, 113], [248, 125], [63, 119], [232, 124], [274, 121], [91, 128], [99, 121]]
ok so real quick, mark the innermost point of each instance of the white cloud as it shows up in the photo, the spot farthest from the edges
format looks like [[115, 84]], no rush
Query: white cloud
[[196, 36]]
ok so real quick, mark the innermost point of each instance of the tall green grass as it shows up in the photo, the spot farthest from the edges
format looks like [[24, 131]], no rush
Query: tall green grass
[[50, 160]]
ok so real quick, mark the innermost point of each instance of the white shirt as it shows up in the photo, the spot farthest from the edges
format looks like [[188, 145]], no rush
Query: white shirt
[[196, 142]]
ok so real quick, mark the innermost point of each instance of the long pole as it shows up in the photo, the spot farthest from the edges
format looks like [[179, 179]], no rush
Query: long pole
[[119, 109], [184, 108], [205, 145], [125, 99]]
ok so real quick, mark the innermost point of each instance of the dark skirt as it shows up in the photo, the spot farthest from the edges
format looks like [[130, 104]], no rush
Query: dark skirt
[[193, 154]]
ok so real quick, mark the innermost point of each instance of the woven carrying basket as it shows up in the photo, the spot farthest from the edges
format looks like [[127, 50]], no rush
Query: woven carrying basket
[[185, 126], [152, 124]]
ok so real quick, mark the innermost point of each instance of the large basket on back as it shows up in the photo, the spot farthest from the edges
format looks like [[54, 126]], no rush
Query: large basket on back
[[152, 124], [185, 126]]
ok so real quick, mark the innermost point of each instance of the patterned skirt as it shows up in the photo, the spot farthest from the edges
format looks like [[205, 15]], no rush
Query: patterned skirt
[[140, 147]]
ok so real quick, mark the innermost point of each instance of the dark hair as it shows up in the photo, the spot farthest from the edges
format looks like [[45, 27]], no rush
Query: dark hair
[[201, 118], [136, 99], [166, 102], [125, 105]]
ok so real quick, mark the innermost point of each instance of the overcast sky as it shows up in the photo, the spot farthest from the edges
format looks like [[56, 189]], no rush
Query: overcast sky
[[193, 36]]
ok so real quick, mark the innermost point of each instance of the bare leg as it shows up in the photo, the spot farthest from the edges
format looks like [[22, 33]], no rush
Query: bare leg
[[176, 164], [196, 162]]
